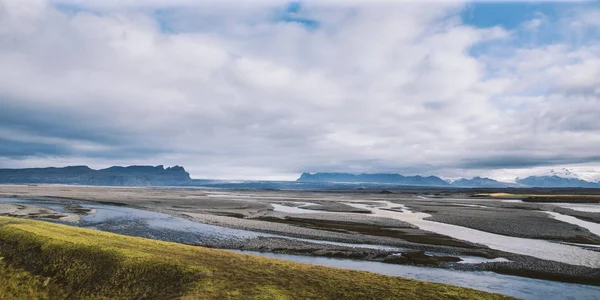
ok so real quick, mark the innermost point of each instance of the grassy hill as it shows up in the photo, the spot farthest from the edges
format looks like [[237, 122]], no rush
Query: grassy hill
[[40, 260]]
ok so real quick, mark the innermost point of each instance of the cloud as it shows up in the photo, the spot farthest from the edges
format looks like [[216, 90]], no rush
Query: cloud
[[535, 23], [244, 93]]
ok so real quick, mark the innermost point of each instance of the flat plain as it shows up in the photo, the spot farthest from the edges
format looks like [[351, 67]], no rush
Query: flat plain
[[432, 228]]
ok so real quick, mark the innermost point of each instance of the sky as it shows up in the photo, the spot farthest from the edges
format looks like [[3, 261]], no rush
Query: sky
[[268, 89]]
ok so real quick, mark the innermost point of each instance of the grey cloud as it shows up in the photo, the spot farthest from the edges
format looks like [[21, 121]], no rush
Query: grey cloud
[[223, 90], [49, 121], [20, 150], [524, 162]]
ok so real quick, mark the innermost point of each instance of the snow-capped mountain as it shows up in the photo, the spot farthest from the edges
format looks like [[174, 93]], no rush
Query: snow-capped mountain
[[558, 178], [563, 173]]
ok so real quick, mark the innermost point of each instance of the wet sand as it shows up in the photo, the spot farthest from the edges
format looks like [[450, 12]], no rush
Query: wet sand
[[36, 212]]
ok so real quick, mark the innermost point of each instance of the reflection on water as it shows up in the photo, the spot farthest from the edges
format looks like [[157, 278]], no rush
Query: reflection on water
[[519, 287]]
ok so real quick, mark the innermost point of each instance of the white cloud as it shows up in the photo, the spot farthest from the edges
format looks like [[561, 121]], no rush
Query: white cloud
[[535, 23], [235, 93]]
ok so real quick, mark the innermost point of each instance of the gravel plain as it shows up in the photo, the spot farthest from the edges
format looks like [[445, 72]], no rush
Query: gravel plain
[[333, 221]]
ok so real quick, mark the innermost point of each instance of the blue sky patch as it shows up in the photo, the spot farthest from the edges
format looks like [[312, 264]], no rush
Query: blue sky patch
[[292, 13], [511, 15]]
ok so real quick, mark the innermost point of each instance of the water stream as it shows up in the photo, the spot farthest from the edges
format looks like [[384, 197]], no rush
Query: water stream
[[131, 221], [559, 252], [592, 227], [538, 248], [524, 288]]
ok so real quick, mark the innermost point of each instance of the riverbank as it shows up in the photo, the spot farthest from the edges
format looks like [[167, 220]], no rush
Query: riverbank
[[60, 261], [286, 222]]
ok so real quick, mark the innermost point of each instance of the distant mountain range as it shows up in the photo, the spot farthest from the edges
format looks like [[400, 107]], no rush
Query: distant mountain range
[[398, 179], [113, 176], [434, 181], [481, 182], [177, 176], [556, 181], [373, 178]]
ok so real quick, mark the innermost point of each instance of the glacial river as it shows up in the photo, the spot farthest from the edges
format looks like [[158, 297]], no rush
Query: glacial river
[[538, 248], [131, 221]]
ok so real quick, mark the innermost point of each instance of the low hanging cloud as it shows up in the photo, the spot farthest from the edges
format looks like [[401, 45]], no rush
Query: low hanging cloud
[[270, 90]]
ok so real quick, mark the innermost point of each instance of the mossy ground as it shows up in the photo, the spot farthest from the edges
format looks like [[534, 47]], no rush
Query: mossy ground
[[48, 261]]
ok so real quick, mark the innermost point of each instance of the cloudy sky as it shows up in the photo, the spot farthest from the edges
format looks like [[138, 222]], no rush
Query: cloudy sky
[[269, 89]]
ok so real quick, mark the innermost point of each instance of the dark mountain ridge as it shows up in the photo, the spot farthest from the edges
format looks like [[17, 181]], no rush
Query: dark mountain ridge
[[477, 182], [113, 176], [553, 181], [373, 178], [177, 176]]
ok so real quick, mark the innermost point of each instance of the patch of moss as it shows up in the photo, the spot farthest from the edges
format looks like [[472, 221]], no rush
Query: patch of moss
[[61, 262], [19, 284]]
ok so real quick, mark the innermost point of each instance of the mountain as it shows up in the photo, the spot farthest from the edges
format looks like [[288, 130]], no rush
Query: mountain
[[556, 181], [548, 181], [480, 182], [373, 178], [177, 176], [113, 176], [564, 173]]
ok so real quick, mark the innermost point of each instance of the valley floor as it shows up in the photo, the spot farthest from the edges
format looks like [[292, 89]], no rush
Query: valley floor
[[456, 231]]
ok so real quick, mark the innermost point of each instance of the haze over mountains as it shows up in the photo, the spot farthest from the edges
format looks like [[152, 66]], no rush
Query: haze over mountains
[[177, 176]]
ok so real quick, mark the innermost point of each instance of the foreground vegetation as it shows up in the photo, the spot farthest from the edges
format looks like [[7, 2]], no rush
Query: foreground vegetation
[[40, 260]]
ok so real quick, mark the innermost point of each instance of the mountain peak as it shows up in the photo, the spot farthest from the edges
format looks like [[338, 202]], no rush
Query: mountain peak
[[112, 176], [563, 173], [373, 178], [479, 182], [552, 179]]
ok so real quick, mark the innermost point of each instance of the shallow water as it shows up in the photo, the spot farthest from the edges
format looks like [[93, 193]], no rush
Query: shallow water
[[294, 209], [137, 222], [532, 247], [466, 259], [580, 207], [524, 288], [565, 253], [145, 223], [592, 227]]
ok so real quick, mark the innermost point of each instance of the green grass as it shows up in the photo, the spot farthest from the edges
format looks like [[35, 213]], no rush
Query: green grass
[[41, 260]]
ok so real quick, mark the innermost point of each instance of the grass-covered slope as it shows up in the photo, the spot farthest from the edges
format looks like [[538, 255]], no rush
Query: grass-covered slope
[[40, 260]]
